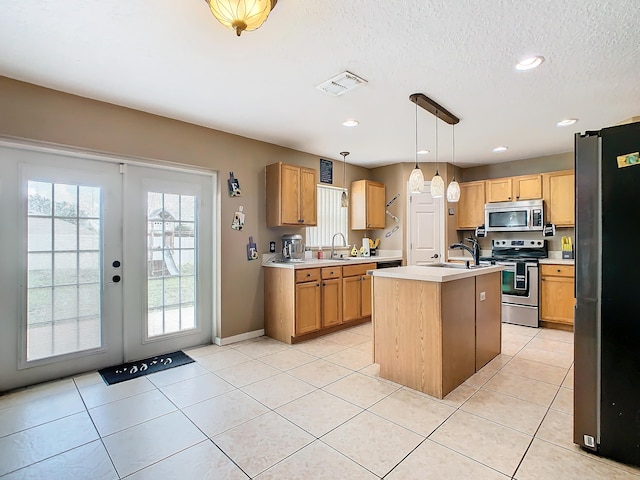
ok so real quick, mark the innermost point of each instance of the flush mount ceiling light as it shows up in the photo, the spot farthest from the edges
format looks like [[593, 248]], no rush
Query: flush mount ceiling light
[[530, 63], [566, 122], [351, 123], [500, 149], [437, 183], [241, 15]]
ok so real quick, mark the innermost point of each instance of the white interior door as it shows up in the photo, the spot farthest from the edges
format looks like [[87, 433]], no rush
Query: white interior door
[[60, 236], [424, 228], [168, 266]]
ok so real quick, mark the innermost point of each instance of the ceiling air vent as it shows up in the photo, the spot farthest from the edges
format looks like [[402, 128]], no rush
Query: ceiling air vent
[[341, 83]]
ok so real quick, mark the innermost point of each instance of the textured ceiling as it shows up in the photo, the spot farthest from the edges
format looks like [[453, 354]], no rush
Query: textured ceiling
[[172, 58]]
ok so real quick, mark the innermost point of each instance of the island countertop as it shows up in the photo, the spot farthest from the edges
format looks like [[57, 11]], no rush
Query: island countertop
[[435, 274]]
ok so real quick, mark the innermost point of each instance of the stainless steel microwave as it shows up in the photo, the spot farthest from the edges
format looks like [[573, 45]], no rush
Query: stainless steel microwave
[[514, 216]]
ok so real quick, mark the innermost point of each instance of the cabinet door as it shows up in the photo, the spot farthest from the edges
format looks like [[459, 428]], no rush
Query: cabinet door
[[365, 305], [376, 205], [308, 194], [331, 302], [499, 190], [559, 196], [471, 205], [351, 298], [556, 299], [290, 194], [307, 307], [528, 187]]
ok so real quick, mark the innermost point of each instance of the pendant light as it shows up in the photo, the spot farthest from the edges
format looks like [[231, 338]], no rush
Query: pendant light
[[437, 183], [416, 179], [453, 190], [344, 199]]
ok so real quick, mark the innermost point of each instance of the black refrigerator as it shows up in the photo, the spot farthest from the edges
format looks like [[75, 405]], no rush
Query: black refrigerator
[[607, 316]]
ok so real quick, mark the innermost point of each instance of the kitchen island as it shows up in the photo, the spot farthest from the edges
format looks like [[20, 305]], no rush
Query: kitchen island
[[434, 326]]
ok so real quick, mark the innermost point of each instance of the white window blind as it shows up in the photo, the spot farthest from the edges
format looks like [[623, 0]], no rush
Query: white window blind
[[332, 218]]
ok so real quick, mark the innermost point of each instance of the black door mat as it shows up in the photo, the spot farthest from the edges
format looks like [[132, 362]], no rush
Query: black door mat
[[131, 370]]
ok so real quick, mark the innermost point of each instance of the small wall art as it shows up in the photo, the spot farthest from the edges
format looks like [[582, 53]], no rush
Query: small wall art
[[234, 186]]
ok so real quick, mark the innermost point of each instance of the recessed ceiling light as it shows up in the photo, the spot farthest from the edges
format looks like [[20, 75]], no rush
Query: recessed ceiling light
[[529, 63], [350, 123], [500, 149], [423, 152], [566, 122]]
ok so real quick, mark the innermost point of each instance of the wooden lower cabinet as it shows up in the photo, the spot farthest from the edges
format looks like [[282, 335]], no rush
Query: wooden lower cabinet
[[557, 292], [307, 307], [303, 303]]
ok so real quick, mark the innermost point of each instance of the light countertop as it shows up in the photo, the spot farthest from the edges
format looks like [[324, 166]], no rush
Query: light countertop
[[556, 261], [434, 274], [326, 262]]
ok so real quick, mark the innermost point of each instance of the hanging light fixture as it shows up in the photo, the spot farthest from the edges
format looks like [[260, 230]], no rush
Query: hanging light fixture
[[416, 179], [241, 15], [453, 190], [437, 183], [344, 199]]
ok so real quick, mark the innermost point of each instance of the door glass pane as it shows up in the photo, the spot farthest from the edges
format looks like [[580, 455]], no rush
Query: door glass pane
[[63, 277], [171, 260]]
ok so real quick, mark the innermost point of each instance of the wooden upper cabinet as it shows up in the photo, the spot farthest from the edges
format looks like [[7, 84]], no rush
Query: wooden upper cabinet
[[368, 205], [471, 205], [499, 190], [527, 187], [291, 195], [513, 189], [559, 197]]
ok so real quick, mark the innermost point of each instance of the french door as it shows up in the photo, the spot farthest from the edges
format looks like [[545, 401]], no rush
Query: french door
[[102, 263]]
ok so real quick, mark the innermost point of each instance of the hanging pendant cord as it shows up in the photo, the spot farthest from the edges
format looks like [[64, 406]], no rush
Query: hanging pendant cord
[[416, 154], [437, 143]]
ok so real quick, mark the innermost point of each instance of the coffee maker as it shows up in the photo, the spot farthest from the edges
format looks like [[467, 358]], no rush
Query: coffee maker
[[292, 248]]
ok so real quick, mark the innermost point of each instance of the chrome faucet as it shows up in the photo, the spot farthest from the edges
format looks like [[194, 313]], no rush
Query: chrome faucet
[[474, 250], [333, 239]]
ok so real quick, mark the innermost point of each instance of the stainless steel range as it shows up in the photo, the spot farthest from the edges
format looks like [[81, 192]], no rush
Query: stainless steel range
[[520, 299]]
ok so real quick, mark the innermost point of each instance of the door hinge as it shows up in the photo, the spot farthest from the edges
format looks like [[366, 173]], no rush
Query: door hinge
[[123, 168]]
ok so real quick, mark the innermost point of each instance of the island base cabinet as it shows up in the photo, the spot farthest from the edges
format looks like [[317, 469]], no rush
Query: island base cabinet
[[435, 351], [488, 318], [432, 336]]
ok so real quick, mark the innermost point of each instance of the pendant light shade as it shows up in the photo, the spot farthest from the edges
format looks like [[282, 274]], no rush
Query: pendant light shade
[[453, 190], [344, 198], [437, 186], [437, 183], [241, 15], [416, 179]]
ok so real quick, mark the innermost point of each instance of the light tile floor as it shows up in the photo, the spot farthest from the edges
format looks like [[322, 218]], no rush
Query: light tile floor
[[318, 410]]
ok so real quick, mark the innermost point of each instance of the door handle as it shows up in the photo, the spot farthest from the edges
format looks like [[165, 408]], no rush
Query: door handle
[[435, 256]]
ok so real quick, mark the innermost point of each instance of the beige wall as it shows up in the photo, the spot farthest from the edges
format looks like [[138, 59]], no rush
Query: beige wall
[[549, 163], [41, 114]]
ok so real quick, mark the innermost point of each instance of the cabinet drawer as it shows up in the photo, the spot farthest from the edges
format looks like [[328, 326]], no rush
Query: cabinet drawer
[[557, 270], [360, 269], [308, 275], [331, 272]]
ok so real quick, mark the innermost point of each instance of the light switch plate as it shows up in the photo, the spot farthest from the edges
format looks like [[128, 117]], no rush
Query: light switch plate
[[483, 296]]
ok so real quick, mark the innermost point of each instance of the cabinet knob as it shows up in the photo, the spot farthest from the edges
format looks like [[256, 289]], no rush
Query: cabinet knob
[[308, 274], [558, 270], [509, 198], [317, 284]]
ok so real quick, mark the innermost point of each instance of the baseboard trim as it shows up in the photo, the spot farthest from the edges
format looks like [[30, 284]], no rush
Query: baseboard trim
[[239, 338]]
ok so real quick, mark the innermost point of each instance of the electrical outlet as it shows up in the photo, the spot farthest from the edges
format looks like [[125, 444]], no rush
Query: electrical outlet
[[483, 296]]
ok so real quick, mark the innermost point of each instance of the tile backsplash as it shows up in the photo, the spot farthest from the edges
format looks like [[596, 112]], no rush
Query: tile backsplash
[[553, 243]]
